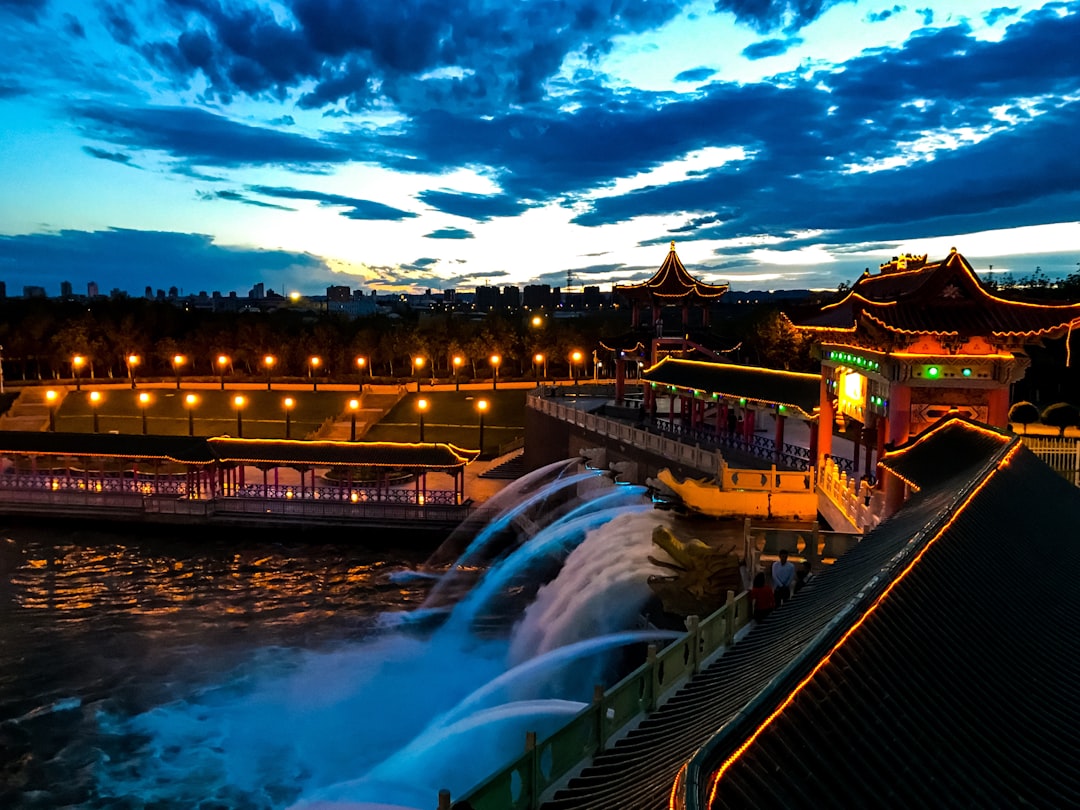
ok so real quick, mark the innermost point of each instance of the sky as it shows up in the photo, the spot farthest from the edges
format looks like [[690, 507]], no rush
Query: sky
[[414, 144]]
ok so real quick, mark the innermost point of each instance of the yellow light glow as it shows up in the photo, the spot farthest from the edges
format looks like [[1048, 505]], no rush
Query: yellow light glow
[[422, 404], [289, 402], [361, 361], [239, 401], [51, 396], [315, 361], [418, 362], [354, 404], [482, 405], [458, 360], [538, 358], [576, 356], [537, 320], [222, 360], [179, 359], [78, 361], [294, 296], [269, 360], [190, 400], [495, 359], [144, 398], [95, 397]]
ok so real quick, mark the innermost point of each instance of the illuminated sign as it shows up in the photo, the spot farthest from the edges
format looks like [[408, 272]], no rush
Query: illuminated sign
[[851, 400]]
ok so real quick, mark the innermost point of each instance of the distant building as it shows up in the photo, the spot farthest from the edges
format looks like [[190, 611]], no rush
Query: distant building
[[537, 296], [591, 298], [338, 293], [510, 298], [486, 299], [92, 290], [353, 307], [257, 292], [65, 289], [3, 290], [33, 291]]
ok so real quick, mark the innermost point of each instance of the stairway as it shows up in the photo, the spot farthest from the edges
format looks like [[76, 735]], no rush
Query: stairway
[[374, 405], [30, 411], [509, 470]]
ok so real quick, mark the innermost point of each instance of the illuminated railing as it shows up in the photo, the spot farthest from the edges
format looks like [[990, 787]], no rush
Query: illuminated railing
[[1060, 454], [520, 785], [859, 503]]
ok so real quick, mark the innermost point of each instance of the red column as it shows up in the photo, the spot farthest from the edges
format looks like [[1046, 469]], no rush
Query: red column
[[824, 428], [998, 408], [894, 493], [899, 414]]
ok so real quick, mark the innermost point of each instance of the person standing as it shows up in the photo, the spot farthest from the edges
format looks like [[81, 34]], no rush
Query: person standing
[[783, 577]]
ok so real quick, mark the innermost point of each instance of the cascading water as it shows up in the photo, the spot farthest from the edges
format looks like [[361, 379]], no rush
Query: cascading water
[[386, 719]]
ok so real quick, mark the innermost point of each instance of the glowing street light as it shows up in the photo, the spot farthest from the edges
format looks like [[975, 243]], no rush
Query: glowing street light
[[178, 361], [50, 398], [268, 362], [95, 401], [190, 401], [495, 360], [238, 403], [77, 362], [361, 364], [575, 358], [422, 406], [144, 400], [539, 360], [223, 363], [458, 360], [313, 365], [289, 403], [537, 321], [132, 362], [418, 363], [354, 406], [482, 406]]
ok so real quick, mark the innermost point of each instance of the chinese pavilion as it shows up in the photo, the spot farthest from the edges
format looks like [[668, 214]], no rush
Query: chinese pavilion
[[670, 286], [918, 340]]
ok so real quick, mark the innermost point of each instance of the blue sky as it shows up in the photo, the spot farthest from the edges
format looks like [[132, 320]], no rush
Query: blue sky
[[409, 144]]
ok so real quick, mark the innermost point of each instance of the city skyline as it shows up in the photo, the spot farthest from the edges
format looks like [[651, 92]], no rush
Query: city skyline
[[403, 146]]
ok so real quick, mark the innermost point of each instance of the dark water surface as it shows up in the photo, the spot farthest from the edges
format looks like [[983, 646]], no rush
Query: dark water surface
[[100, 624]]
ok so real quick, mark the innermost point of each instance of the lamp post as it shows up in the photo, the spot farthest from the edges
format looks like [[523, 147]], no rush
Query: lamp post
[[313, 364], [495, 360], [77, 362], [178, 361], [223, 363], [132, 362], [422, 406], [289, 402], [144, 400], [95, 400], [50, 398], [575, 358], [537, 321], [482, 406], [458, 360], [190, 401], [538, 360], [361, 364], [418, 363], [239, 401], [354, 406], [269, 361]]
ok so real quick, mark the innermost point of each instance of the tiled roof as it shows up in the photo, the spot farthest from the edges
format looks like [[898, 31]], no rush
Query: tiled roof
[[946, 681], [795, 391], [671, 284], [199, 450], [944, 297]]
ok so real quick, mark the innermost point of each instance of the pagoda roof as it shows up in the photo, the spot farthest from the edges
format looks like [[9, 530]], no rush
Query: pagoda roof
[[671, 284], [797, 393], [201, 450], [914, 297], [904, 689]]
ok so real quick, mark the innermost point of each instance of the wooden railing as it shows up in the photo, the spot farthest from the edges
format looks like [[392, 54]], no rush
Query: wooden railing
[[1060, 454], [521, 784]]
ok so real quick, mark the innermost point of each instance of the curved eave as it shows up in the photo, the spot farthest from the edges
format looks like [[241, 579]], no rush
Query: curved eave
[[637, 347]]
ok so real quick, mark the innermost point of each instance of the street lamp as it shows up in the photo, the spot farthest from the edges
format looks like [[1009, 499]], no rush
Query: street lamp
[[178, 361], [537, 321], [495, 360], [269, 361], [418, 363], [223, 363], [95, 400], [190, 401], [144, 400], [539, 360], [361, 363], [458, 360], [132, 362], [482, 406], [77, 362], [422, 406], [575, 358], [51, 397], [239, 401], [289, 402], [354, 406], [313, 364]]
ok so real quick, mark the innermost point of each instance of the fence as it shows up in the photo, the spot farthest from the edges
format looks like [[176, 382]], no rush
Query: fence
[[520, 785], [1061, 455]]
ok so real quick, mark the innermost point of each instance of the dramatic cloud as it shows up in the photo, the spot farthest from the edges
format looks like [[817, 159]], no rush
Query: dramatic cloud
[[770, 15], [449, 233], [478, 207], [993, 16], [201, 137], [102, 154], [236, 196], [770, 47], [695, 75], [881, 16], [354, 208], [28, 9], [193, 259]]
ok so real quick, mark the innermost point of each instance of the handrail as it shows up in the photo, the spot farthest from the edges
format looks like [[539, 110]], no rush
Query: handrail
[[520, 784]]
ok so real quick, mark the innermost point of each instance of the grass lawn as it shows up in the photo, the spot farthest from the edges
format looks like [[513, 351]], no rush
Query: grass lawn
[[263, 413], [452, 417]]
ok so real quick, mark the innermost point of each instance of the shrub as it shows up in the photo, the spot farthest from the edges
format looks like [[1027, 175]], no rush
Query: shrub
[[1061, 415], [1024, 413]]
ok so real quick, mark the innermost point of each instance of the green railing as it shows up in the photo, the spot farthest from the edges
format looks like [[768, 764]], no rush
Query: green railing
[[521, 783]]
